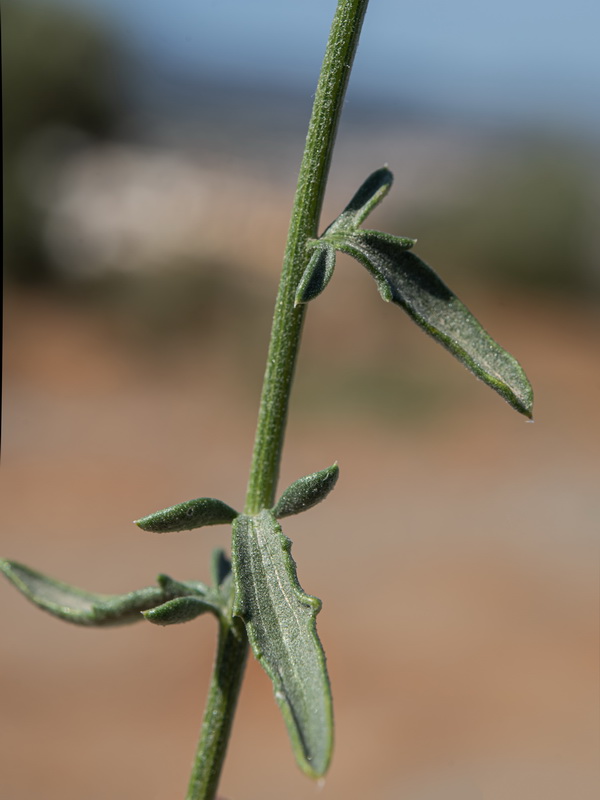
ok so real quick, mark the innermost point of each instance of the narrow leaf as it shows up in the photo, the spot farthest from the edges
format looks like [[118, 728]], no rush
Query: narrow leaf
[[173, 588], [344, 242], [186, 516], [220, 567], [280, 621], [306, 492], [76, 605], [420, 292], [368, 196], [317, 274], [180, 609]]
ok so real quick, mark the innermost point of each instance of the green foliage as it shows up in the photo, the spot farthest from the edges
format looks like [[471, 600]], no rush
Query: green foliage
[[306, 492], [404, 279], [417, 289], [187, 516], [317, 274], [280, 621], [168, 603], [180, 609], [78, 606], [58, 70]]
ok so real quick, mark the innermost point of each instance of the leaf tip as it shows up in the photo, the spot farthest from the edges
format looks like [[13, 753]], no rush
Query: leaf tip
[[317, 274], [527, 411], [520, 395], [385, 290], [187, 516], [146, 524], [306, 492]]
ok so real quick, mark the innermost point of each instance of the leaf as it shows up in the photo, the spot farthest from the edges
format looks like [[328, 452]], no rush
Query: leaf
[[415, 287], [173, 588], [187, 516], [180, 609], [76, 605], [306, 492], [280, 621], [320, 267], [220, 567], [368, 196], [317, 274]]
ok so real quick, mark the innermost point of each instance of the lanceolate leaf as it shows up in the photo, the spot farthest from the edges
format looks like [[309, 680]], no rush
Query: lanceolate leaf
[[180, 609], [280, 621], [220, 567], [317, 274], [173, 588], [306, 492], [169, 602], [415, 287], [368, 196], [186, 516], [320, 267], [78, 606]]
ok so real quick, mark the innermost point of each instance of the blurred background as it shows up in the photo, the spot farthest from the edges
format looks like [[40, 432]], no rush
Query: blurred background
[[150, 157]]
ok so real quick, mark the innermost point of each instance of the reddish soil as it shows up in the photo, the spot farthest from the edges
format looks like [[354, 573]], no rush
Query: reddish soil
[[457, 561]]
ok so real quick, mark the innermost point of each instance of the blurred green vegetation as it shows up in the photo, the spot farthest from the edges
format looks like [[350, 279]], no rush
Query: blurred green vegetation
[[392, 393], [526, 220], [59, 71]]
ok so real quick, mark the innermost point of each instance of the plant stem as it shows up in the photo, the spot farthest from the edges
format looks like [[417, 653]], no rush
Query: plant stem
[[226, 681], [287, 319], [283, 349]]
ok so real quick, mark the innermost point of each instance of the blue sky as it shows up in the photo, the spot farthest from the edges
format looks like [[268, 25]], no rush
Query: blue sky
[[519, 59]]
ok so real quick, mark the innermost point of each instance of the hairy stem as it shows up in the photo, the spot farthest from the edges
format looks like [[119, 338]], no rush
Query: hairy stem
[[228, 672], [287, 319], [281, 360]]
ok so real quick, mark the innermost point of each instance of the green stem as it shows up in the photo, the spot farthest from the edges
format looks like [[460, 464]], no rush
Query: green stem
[[226, 681], [283, 349], [287, 319]]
